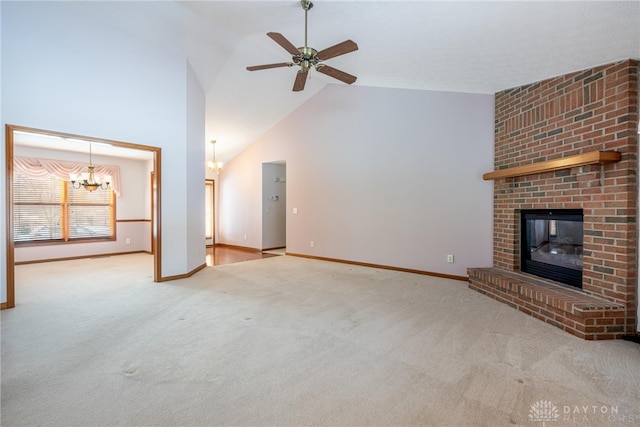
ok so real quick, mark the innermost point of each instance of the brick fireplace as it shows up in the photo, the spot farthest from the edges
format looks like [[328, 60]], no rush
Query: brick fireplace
[[577, 116]]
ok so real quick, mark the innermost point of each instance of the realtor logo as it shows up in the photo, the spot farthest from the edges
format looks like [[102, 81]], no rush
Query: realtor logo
[[543, 411]]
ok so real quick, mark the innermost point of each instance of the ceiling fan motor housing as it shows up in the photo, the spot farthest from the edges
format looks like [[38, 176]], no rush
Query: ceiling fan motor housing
[[307, 57]]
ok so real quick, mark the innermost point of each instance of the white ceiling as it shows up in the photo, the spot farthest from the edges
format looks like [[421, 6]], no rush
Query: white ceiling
[[54, 142], [461, 46]]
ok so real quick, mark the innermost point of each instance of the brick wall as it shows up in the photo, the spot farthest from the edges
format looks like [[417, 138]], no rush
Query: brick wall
[[589, 110]]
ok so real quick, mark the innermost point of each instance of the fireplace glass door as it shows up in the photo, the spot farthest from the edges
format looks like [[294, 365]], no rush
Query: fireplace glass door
[[552, 244]]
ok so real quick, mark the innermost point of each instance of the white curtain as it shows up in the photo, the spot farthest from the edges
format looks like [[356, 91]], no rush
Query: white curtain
[[40, 168]]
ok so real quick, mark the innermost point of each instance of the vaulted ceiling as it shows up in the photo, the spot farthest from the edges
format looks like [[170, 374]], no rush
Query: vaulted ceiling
[[461, 46]]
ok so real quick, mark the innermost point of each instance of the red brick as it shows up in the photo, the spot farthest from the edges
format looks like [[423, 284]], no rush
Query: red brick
[[609, 201]]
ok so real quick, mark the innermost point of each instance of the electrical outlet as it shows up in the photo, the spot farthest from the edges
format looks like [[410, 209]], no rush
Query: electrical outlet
[[295, 210], [312, 243], [127, 241], [450, 258], [245, 237]]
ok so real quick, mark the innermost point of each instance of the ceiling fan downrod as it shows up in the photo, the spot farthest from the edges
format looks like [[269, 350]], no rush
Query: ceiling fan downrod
[[306, 5], [307, 54]]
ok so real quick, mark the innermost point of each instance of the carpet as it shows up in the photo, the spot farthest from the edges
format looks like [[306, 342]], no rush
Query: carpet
[[288, 341]]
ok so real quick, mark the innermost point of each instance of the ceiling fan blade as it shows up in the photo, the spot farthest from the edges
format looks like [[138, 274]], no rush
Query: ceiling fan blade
[[301, 79], [286, 44], [337, 50], [266, 66], [336, 74]]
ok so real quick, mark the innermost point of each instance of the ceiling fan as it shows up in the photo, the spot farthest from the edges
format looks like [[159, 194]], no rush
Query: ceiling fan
[[307, 57]]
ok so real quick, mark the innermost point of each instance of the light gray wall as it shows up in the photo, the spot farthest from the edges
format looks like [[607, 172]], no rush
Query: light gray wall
[[384, 176], [63, 72], [3, 184], [196, 244], [274, 205]]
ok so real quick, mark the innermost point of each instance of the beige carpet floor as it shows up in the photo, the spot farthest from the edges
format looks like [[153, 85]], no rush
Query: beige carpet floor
[[287, 341]]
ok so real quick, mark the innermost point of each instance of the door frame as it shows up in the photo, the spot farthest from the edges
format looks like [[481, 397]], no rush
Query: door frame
[[156, 238]]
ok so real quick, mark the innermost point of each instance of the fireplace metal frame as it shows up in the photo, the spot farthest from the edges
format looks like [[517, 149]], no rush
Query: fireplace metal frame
[[560, 274]]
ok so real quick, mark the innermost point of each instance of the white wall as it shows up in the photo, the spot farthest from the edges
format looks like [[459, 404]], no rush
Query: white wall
[[274, 212], [3, 184], [195, 215], [134, 204], [66, 73], [383, 176]]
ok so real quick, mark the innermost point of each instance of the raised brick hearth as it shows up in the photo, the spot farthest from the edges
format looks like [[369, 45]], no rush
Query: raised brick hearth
[[586, 111], [580, 314]]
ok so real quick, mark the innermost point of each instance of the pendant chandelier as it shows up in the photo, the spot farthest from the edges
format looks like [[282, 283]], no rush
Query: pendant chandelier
[[88, 179], [213, 164]]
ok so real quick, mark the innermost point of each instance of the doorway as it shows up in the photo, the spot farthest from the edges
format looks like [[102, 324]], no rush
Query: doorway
[[274, 206], [210, 212], [64, 142]]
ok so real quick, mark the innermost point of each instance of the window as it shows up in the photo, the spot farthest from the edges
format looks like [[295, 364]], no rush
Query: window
[[49, 210]]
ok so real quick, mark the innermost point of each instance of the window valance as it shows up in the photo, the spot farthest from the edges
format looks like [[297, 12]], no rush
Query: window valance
[[61, 169]]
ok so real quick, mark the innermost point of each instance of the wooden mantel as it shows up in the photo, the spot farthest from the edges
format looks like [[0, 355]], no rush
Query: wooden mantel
[[592, 158]]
